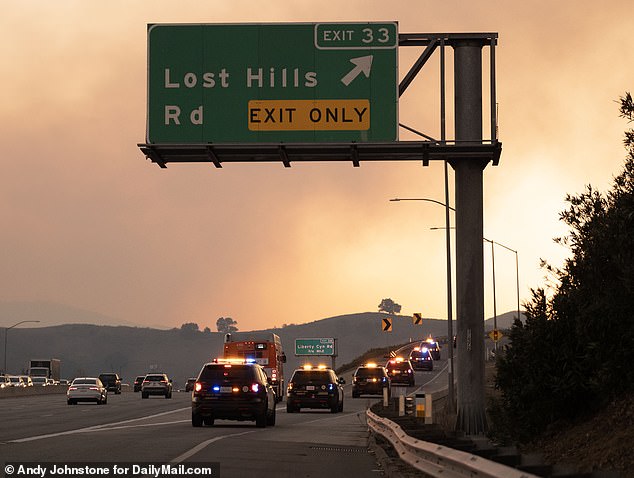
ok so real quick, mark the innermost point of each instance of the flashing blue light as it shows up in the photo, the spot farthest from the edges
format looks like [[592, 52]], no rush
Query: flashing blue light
[[250, 360], [331, 386], [215, 388]]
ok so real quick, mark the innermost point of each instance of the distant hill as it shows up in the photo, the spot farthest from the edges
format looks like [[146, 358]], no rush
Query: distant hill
[[52, 313], [87, 349]]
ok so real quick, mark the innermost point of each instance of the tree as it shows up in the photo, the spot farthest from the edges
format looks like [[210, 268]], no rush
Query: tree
[[389, 306], [226, 325], [576, 349], [189, 327]]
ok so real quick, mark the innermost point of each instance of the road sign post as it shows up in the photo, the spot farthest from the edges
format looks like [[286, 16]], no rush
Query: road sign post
[[292, 82]]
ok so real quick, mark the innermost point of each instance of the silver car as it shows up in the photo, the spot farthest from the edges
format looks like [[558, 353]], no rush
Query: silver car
[[16, 381], [87, 389]]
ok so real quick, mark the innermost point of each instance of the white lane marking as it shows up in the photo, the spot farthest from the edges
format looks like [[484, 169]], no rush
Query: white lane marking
[[141, 418], [343, 415], [436, 376], [204, 444], [92, 428]]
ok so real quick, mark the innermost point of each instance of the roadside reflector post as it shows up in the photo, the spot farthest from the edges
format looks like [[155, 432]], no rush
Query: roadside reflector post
[[401, 405], [420, 405], [386, 397]]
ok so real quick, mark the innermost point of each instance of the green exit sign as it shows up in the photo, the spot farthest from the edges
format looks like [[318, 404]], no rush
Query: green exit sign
[[225, 83], [317, 346]]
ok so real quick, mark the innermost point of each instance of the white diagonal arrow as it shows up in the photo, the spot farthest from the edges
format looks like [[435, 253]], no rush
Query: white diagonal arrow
[[361, 64]]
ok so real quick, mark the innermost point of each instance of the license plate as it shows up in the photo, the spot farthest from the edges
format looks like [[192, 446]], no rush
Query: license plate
[[225, 389], [310, 387]]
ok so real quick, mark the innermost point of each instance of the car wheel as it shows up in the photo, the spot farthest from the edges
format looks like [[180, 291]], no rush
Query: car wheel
[[334, 408], [355, 395], [144, 395], [341, 406], [289, 408], [197, 420], [71, 402], [260, 419], [270, 420], [209, 421], [105, 400]]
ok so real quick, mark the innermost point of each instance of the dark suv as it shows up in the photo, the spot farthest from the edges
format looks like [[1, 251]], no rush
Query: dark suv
[[370, 379], [233, 390], [432, 346], [138, 382], [421, 358], [111, 381], [401, 372], [314, 388]]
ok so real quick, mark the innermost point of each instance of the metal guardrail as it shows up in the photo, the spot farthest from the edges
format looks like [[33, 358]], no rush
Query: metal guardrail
[[437, 460]]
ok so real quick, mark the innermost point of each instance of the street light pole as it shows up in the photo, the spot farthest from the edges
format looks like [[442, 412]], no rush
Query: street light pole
[[495, 314], [6, 331], [450, 372]]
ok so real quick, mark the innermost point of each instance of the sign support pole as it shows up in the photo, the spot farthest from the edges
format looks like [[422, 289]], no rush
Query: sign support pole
[[471, 417]]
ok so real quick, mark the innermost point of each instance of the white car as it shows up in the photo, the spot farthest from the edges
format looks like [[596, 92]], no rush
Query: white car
[[16, 381], [87, 389], [39, 380]]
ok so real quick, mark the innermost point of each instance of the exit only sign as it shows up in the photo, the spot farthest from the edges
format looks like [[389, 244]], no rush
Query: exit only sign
[[233, 83]]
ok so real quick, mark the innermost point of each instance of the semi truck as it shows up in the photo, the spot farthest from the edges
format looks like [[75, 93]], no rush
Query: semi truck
[[49, 368], [265, 349]]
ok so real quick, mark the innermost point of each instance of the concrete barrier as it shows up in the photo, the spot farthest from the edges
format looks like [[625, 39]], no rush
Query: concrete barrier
[[12, 392]]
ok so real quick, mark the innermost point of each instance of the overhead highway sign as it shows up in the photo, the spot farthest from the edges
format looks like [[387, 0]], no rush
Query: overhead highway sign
[[259, 83]]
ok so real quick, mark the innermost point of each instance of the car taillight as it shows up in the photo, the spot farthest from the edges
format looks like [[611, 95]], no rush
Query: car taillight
[[94, 388], [72, 388], [290, 385]]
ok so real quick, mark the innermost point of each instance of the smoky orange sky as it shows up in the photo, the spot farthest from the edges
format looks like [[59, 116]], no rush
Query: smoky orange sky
[[88, 222]]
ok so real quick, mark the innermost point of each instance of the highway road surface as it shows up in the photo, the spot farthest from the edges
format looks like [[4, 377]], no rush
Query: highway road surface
[[313, 443]]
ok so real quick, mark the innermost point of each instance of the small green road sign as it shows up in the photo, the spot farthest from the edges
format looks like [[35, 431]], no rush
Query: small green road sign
[[294, 83], [316, 346]]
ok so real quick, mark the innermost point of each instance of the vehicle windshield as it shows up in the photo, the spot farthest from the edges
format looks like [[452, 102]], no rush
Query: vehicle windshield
[[311, 376], [226, 372], [369, 372], [399, 366]]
